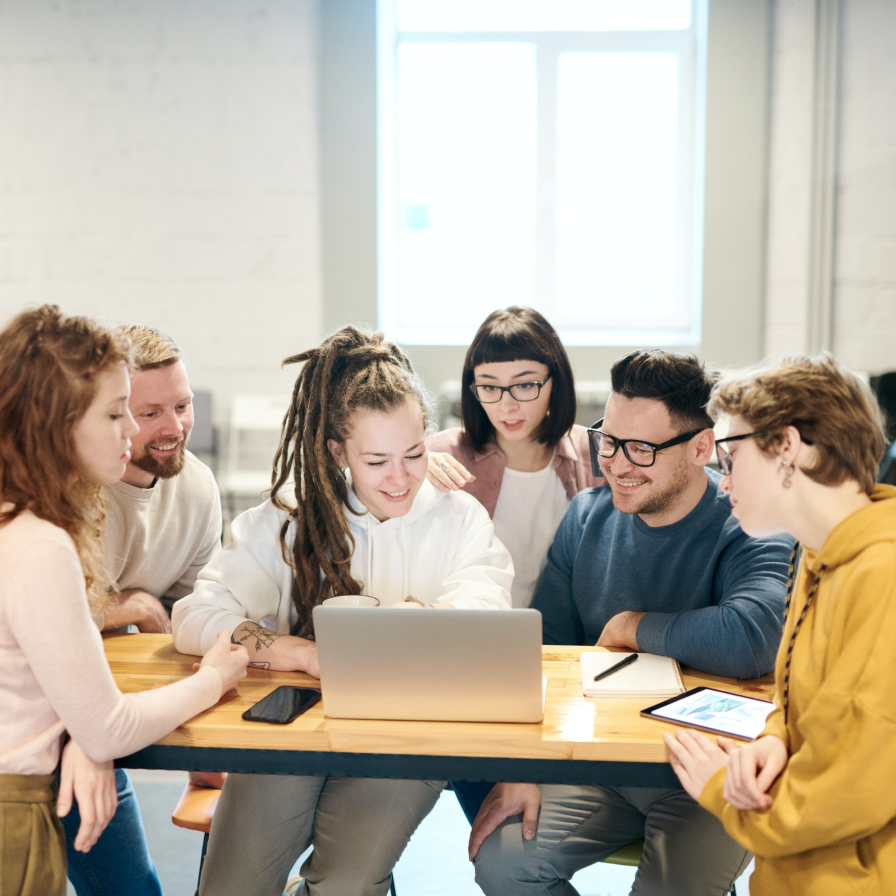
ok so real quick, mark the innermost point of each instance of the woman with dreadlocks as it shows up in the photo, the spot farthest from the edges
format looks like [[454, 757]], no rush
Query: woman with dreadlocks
[[351, 513]]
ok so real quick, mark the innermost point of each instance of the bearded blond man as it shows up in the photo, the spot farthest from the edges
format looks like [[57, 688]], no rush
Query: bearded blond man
[[163, 526], [164, 521]]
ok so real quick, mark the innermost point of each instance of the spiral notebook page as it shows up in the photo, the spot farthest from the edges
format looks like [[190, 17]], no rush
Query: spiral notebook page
[[651, 674]]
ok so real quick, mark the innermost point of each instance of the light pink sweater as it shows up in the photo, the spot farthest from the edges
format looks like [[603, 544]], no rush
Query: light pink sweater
[[53, 674]]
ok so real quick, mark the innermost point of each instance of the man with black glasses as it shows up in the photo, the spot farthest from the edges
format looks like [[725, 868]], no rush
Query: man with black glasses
[[653, 561]]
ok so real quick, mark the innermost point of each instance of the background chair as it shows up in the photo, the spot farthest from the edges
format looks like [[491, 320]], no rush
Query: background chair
[[194, 811], [884, 387], [255, 422]]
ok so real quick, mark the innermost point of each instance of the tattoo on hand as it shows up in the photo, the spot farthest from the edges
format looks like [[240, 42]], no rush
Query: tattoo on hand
[[259, 665], [262, 636]]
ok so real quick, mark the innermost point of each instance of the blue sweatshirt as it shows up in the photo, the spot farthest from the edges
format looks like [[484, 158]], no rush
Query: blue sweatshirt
[[713, 597]]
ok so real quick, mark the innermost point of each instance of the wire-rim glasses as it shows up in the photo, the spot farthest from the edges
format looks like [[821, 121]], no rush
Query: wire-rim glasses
[[726, 461], [642, 454], [485, 392]]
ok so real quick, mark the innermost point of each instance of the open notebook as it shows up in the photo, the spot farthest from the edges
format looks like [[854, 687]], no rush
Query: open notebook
[[651, 674]]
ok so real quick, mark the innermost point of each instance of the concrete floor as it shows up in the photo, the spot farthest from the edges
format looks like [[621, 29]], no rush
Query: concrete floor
[[434, 864]]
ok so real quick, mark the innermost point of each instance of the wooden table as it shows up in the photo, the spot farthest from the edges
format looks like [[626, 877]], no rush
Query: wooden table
[[582, 740]]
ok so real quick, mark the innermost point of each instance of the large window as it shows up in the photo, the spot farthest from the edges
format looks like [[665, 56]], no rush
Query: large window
[[541, 152]]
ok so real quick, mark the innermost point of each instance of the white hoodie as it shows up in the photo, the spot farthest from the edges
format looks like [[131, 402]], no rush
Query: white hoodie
[[444, 549]]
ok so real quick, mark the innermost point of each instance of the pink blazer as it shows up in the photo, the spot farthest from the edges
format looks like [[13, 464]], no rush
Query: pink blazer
[[572, 463]]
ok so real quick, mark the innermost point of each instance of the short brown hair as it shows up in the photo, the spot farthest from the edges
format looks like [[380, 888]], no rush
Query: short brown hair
[[519, 333], [829, 405], [680, 382], [151, 347]]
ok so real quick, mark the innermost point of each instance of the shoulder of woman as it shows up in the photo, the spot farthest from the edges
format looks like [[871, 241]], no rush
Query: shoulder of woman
[[450, 440], [264, 518], [578, 437], [464, 508], [27, 528]]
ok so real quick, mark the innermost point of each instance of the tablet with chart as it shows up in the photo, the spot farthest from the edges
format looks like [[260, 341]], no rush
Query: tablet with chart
[[716, 711]]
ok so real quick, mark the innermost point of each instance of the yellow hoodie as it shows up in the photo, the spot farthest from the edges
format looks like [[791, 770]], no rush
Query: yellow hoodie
[[832, 827]]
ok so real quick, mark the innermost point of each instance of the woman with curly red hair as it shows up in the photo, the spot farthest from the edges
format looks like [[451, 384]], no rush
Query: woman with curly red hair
[[64, 432]]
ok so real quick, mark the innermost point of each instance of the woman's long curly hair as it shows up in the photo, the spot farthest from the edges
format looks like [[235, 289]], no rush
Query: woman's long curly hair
[[353, 369], [49, 365]]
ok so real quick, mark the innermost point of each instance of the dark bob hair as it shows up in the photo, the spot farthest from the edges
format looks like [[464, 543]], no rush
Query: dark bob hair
[[519, 333]]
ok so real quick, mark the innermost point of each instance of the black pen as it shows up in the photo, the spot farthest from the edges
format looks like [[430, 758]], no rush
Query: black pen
[[617, 666]]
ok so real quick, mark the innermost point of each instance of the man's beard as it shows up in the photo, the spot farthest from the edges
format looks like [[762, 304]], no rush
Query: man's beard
[[167, 468], [661, 501]]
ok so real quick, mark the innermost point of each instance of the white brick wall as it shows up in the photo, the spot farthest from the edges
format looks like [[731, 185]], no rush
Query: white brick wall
[[865, 260], [866, 228], [158, 164], [790, 159]]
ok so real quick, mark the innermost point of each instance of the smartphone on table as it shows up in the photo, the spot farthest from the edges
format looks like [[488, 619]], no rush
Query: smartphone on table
[[282, 705]]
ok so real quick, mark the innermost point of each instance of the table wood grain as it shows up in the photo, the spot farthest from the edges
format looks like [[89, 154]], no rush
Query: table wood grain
[[575, 727]]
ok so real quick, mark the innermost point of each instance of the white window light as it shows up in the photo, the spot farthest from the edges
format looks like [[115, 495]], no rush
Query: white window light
[[548, 154]]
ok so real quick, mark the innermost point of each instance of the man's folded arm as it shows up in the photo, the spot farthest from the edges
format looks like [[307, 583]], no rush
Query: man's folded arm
[[739, 636]]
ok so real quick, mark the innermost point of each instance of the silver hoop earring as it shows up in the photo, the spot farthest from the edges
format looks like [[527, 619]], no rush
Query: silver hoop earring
[[789, 470]]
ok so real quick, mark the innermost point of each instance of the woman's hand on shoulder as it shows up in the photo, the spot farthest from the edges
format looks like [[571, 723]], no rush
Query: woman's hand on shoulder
[[447, 473], [93, 784], [752, 770]]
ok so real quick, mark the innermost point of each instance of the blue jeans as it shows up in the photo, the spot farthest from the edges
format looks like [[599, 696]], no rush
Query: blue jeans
[[119, 863]]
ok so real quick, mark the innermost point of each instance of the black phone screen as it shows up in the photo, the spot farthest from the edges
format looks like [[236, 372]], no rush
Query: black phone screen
[[282, 705]]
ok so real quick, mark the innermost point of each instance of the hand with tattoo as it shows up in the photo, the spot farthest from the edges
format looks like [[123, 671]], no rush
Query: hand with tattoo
[[276, 652]]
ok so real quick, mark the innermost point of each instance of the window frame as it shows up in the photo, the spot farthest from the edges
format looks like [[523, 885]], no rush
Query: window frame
[[733, 270], [689, 45]]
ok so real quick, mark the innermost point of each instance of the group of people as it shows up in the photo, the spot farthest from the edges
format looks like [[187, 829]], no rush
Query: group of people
[[619, 535]]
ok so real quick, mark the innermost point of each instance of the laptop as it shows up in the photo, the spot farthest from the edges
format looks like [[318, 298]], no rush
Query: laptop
[[438, 665]]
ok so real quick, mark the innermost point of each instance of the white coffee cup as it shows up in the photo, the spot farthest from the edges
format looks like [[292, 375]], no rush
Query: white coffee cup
[[351, 600]]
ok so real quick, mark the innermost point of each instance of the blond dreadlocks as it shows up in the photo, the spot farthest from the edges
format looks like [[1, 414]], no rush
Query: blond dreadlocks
[[353, 369]]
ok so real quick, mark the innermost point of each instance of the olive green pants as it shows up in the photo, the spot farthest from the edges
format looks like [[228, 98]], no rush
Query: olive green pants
[[32, 842], [358, 827]]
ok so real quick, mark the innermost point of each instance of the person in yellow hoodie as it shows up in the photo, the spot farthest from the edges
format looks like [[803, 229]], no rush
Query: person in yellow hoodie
[[814, 796]]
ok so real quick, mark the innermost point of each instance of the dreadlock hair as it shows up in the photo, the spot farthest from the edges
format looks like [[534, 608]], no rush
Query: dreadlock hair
[[49, 364], [353, 369]]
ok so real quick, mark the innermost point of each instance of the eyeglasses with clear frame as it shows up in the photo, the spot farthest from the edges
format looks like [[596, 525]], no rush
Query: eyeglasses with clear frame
[[725, 459], [638, 452], [486, 393]]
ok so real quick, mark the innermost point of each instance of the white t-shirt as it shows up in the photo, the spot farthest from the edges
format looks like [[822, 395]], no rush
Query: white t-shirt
[[157, 539], [529, 510]]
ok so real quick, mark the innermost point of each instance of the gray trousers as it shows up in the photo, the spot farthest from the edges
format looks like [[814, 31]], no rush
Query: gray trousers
[[359, 828], [686, 850]]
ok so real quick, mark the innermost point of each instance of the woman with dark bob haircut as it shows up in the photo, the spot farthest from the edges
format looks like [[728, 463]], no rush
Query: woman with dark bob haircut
[[519, 453], [518, 448], [813, 795]]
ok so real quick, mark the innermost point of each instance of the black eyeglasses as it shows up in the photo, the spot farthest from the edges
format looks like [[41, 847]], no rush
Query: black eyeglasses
[[726, 461], [488, 394], [641, 454]]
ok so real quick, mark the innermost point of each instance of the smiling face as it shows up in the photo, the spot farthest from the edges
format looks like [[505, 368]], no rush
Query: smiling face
[[103, 435], [162, 405], [515, 421], [660, 494], [387, 457], [754, 484]]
